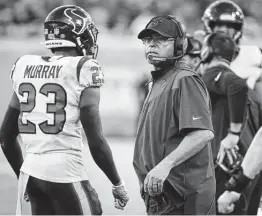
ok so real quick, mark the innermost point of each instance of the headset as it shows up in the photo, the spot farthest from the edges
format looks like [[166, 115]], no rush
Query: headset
[[181, 41]]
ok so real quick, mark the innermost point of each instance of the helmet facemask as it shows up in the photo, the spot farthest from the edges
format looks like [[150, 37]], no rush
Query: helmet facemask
[[86, 42], [227, 12], [231, 25]]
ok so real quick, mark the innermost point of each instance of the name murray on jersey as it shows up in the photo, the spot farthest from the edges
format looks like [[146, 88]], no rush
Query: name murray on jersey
[[42, 71]]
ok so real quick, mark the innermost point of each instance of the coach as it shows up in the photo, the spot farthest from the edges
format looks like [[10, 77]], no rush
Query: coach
[[172, 156]]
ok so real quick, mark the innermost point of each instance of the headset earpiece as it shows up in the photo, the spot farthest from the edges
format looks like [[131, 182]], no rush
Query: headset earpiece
[[181, 41]]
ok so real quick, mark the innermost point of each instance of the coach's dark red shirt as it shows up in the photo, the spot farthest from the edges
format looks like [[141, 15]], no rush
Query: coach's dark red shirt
[[177, 103]]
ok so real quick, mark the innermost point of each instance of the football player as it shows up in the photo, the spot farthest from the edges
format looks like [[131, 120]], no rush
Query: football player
[[227, 16], [54, 98]]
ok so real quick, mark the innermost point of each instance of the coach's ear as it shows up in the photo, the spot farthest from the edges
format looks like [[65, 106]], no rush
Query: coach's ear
[[90, 97]]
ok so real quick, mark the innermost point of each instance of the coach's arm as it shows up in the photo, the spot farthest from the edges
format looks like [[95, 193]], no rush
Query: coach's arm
[[8, 135], [99, 148], [190, 145]]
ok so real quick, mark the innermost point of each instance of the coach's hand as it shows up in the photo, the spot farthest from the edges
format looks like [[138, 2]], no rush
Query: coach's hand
[[228, 147], [155, 179], [120, 195], [225, 202]]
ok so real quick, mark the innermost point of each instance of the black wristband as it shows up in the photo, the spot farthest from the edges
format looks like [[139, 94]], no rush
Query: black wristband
[[238, 182], [235, 133]]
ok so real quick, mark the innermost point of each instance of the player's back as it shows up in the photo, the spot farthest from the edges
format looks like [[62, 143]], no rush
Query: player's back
[[49, 90], [48, 93]]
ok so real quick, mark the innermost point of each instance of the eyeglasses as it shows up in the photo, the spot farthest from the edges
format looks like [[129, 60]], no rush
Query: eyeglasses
[[156, 40]]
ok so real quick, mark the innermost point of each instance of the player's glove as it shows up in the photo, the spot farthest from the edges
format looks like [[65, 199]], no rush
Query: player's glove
[[121, 196], [238, 182], [231, 168]]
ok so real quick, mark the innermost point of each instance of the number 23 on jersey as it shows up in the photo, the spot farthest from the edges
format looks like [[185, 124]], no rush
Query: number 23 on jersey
[[57, 108]]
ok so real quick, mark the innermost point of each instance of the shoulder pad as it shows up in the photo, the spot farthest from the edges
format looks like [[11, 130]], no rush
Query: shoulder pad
[[89, 73]]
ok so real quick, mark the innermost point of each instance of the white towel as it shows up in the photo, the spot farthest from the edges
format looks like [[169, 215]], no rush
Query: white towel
[[22, 183]]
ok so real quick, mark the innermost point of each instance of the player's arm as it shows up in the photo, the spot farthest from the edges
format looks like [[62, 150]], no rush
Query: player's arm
[[252, 162], [90, 78], [99, 148], [250, 167], [8, 136], [236, 90]]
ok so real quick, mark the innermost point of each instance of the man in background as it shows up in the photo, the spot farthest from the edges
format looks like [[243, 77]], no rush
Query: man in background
[[227, 16], [232, 111]]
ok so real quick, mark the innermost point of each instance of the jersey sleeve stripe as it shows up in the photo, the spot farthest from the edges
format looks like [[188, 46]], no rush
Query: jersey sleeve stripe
[[13, 69], [80, 65]]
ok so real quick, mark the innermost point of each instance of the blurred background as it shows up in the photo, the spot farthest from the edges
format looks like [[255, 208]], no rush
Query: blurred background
[[125, 69], [120, 52]]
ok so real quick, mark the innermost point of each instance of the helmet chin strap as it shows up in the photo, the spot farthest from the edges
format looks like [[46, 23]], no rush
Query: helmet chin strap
[[237, 36], [93, 49], [80, 45]]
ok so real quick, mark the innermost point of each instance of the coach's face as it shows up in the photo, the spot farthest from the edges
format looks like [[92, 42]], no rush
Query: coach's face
[[159, 46]]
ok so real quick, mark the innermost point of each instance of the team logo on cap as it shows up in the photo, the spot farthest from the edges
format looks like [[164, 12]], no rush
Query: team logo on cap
[[155, 23]]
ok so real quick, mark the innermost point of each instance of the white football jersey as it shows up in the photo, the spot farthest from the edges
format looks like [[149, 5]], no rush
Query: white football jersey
[[49, 90], [247, 64]]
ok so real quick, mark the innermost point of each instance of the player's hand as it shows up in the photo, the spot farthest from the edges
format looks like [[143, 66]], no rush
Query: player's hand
[[155, 179], [120, 195], [228, 148], [225, 202]]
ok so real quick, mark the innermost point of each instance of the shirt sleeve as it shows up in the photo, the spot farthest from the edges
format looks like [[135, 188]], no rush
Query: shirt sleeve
[[233, 87], [89, 73], [193, 105]]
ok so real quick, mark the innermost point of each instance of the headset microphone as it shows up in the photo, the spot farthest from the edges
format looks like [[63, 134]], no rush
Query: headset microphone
[[157, 58]]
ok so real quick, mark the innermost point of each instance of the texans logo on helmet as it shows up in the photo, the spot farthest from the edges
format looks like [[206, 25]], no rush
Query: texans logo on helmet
[[79, 22]]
